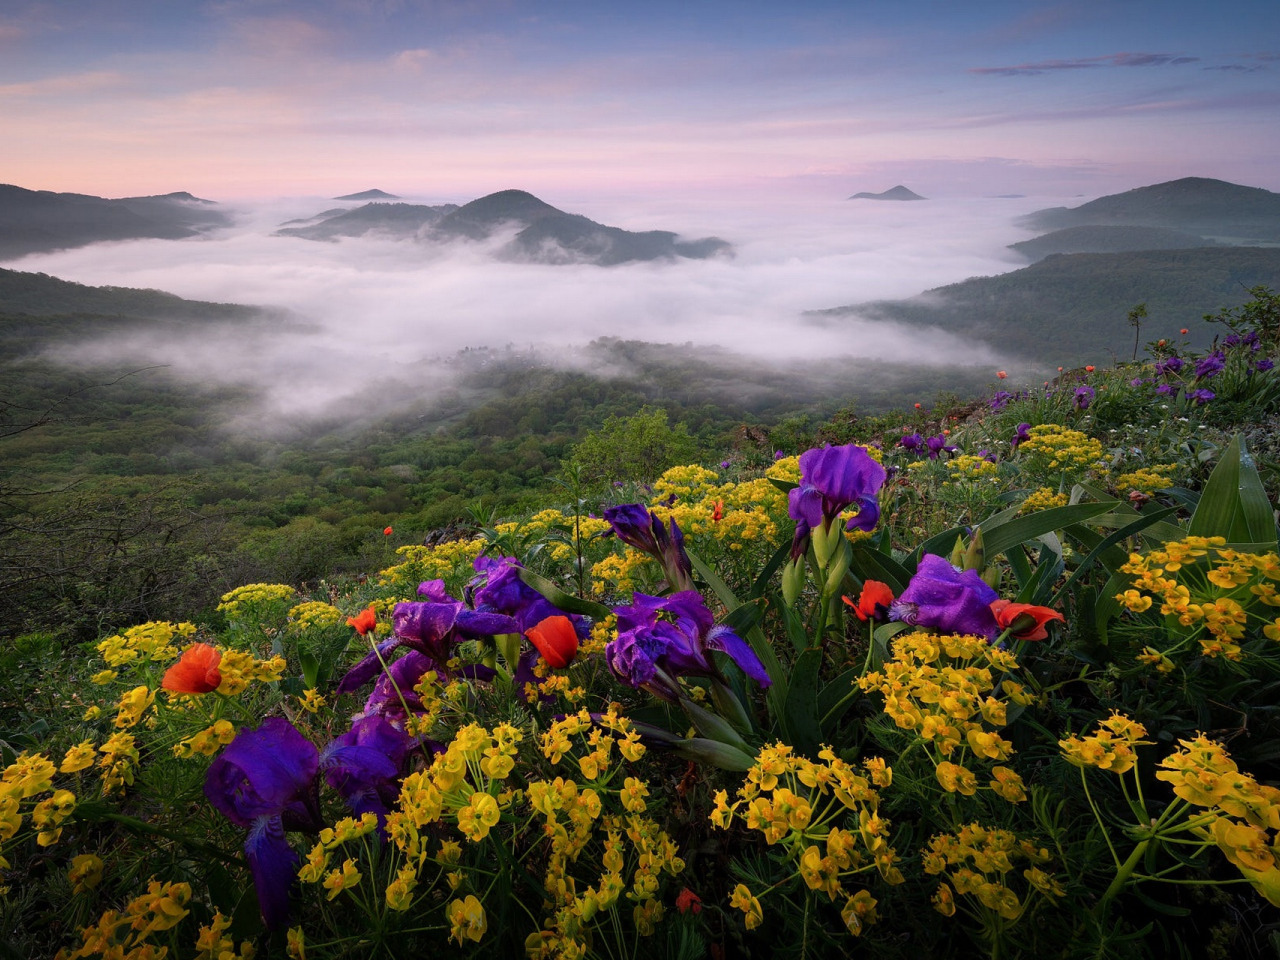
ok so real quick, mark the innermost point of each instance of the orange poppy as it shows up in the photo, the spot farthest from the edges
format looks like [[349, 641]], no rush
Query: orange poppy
[[196, 670], [717, 514], [1089, 368], [386, 532], [1001, 374], [874, 600], [1027, 620], [1183, 331], [554, 638], [364, 621]]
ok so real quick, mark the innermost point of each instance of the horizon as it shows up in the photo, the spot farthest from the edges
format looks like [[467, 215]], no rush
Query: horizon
[[240, 101]]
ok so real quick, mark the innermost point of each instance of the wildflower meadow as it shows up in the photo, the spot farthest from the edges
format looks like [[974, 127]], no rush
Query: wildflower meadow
[[994, 682]]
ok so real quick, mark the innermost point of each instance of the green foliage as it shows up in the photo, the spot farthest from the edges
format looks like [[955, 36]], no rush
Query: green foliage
[[633, 449]]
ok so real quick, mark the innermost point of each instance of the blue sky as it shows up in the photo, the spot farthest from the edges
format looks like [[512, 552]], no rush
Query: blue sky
[[255, 98]]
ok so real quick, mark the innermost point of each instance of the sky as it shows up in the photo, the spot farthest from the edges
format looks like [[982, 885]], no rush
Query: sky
[[453, 99]]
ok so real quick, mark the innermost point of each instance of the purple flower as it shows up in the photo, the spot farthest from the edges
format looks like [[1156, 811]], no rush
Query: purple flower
[[636, 525], [265, 780], [1169, 365], [1231, 340], [943, 598], [364, 763], [433, 629], [778, 454], [1211, 365], [937, 445], [832, 479], [1168, 389], [1021, 434], [724, 464], [1200, 397], [1263, 365], [1083, 397], [911, 441], [1000, 399], [661, 638], [1137, 382], [497, 588]]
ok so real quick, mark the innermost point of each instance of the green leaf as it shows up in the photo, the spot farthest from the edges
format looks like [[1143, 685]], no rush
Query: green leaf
[[780, 556], [874, 565], [310, 669], [560, 599], [800, 718], [1003, 536]]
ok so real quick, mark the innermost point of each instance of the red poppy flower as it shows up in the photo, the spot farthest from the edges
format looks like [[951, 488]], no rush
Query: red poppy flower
[[1028, 621], [873, 602], [717, 514], [687, 900], [196, 670], [1089, 368], [917, 406], [386, 532], [1001, 374], [554, 638], [1183, 331], [364, 621]]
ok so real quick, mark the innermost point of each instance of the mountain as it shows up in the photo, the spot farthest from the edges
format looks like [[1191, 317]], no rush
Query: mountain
[[1198, 205], [398, 220], [894, 193], [369, 195], [36, 309], [1071, 308], [1108, 239], [544, 234], [36, 221]]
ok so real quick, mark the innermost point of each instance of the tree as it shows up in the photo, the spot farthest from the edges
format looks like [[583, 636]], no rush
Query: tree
[[636, 448]]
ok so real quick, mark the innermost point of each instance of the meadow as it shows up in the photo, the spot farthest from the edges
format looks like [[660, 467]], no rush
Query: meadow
[[991, 678]]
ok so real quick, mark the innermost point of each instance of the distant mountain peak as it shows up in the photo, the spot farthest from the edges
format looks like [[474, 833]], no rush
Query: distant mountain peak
[[369, 195], [893, 193]]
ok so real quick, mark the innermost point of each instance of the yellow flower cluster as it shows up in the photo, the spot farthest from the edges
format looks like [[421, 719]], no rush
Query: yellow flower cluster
[[1247, 823], [1209, 591], [942, 688], [212, 943], [1110, 747], [444, 561], [1043, 498], [29, 776], [147, 642], [599, 735], [133, 705], [795, 802], [206, 742], [1146, 479], [118, 761], [573, 818], [967, 468], [685, 483], [315, 868], [623, 572], [1062, 449], [978, 861], [123, 935], [555, 521], [239, 669], [315, 613], [243, 599]]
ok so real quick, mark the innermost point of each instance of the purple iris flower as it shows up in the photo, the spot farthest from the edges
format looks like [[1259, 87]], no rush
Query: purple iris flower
[[724, 464], [943, 598], [1211, 365], [938, 445], [265, 780], [1201, 397], [1169, 365], [911, 441], [1168, 389], [636, 525], [832, 479], [364, 764], [1231, 340], [661, 638], [497, 588], [1021, 434], [778, 454], [1263, 365], [1137, 382], [1083, 397], [1000, 399], [432, 628]]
